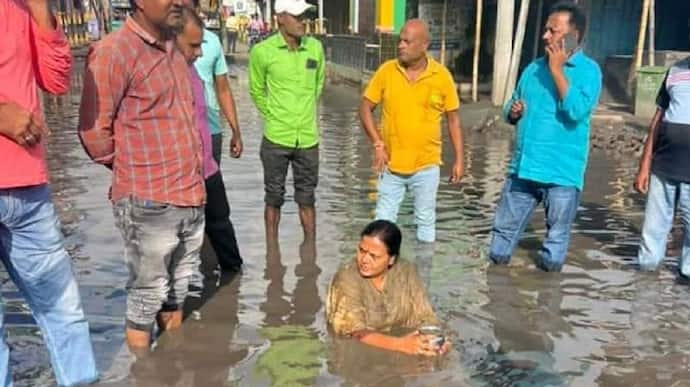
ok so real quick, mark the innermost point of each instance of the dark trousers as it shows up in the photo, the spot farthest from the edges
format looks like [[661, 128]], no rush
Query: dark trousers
[[232, 41], [219, 228], [217, 147]]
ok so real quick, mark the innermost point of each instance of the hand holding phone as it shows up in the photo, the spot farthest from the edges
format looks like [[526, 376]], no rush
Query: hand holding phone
[[557, 54], [570, 43]]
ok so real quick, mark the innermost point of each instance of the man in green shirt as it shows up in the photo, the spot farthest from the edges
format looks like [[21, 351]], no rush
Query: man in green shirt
[[286, 75]]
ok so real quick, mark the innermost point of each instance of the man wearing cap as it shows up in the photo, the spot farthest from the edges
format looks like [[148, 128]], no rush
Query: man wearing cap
[[286, 75]]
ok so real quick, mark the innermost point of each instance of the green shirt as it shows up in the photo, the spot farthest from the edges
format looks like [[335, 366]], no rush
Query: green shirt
[[285, 86]]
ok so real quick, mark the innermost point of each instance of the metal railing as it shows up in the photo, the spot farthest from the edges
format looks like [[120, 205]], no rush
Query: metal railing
[[346, 50], [373, 57], [359, 52]]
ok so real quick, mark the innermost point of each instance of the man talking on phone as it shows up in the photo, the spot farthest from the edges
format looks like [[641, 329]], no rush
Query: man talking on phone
[[551, 109]]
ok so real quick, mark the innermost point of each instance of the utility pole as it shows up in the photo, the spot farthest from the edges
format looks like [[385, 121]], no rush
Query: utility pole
[[477, 49], [355, 16], [503, 48], [644, 19], [320, 16], [517, 50], [652, 31]]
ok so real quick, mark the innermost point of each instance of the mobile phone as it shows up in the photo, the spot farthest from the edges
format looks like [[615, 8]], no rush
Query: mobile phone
[[570, 43]]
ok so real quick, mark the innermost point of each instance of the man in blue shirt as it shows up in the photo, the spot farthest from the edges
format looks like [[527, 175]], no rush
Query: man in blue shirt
[[551, 108], [213, 71]]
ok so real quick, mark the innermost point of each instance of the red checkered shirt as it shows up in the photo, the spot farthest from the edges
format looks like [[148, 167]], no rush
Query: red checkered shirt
[[137, 117]]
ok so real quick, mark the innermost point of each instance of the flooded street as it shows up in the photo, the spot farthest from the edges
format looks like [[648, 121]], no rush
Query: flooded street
[[599, 323]]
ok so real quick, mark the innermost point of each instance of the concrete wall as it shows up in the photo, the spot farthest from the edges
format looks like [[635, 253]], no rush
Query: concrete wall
[[614, 26]]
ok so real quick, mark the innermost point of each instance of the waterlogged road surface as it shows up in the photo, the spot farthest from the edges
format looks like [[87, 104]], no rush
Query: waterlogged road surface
[[599, 323]]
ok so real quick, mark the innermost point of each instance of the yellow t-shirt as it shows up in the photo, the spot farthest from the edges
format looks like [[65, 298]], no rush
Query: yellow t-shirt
[[412, 113], [233, 23], [243, 22]]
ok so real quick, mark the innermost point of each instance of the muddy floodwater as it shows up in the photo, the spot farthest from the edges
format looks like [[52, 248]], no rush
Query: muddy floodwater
[[599, 323]]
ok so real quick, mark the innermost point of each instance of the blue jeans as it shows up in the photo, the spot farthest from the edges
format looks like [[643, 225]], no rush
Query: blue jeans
[[663, 197], [518, 200], [424, 186], [31, 248]]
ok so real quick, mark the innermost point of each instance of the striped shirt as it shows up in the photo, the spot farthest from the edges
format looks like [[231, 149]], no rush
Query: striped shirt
[[674, 93], [137, 117], [672, 145]]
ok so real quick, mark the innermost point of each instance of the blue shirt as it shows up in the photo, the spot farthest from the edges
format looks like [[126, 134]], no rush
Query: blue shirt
[[552, 137], [209, 65]]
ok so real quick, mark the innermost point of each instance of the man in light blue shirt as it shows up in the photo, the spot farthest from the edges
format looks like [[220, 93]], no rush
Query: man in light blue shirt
[[551, 108], [214, 71], [219, 229]]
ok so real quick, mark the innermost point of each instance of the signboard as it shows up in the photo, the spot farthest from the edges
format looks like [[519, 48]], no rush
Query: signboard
[[240, 7]]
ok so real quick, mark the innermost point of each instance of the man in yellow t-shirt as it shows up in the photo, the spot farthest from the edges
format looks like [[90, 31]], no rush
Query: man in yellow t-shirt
[[243, 22], [415, 92], [233, 26]]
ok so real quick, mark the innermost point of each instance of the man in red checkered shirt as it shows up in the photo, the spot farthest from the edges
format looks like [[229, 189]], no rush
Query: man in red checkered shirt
[[137, 119]]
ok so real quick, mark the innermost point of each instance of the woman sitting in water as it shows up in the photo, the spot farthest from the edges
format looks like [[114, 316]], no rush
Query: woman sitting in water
[[378, 292]]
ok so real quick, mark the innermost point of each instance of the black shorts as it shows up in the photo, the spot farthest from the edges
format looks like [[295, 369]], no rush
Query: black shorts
[[305, 172]]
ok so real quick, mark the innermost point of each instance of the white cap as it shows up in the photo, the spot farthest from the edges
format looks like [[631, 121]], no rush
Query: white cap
[[293, 7]]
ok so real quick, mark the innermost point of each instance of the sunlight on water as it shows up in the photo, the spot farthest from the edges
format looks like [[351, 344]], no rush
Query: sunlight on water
[[597, 323]]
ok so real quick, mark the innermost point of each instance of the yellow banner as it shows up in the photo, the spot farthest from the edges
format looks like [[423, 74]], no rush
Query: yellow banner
[[385, 15]]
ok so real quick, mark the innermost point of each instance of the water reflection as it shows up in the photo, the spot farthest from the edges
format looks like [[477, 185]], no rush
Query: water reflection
[[294, 355], [597, 323], [362, 365], [656, 341], [526, 306], [209, 337]]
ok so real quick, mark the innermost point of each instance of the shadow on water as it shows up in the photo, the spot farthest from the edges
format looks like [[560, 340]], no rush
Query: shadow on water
[[211, 336], [597, 323], [295, 352], [526, 310]]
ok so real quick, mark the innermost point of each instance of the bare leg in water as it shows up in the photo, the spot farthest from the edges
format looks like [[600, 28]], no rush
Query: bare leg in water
[[307, 215], [272, 222], [139, 341]]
